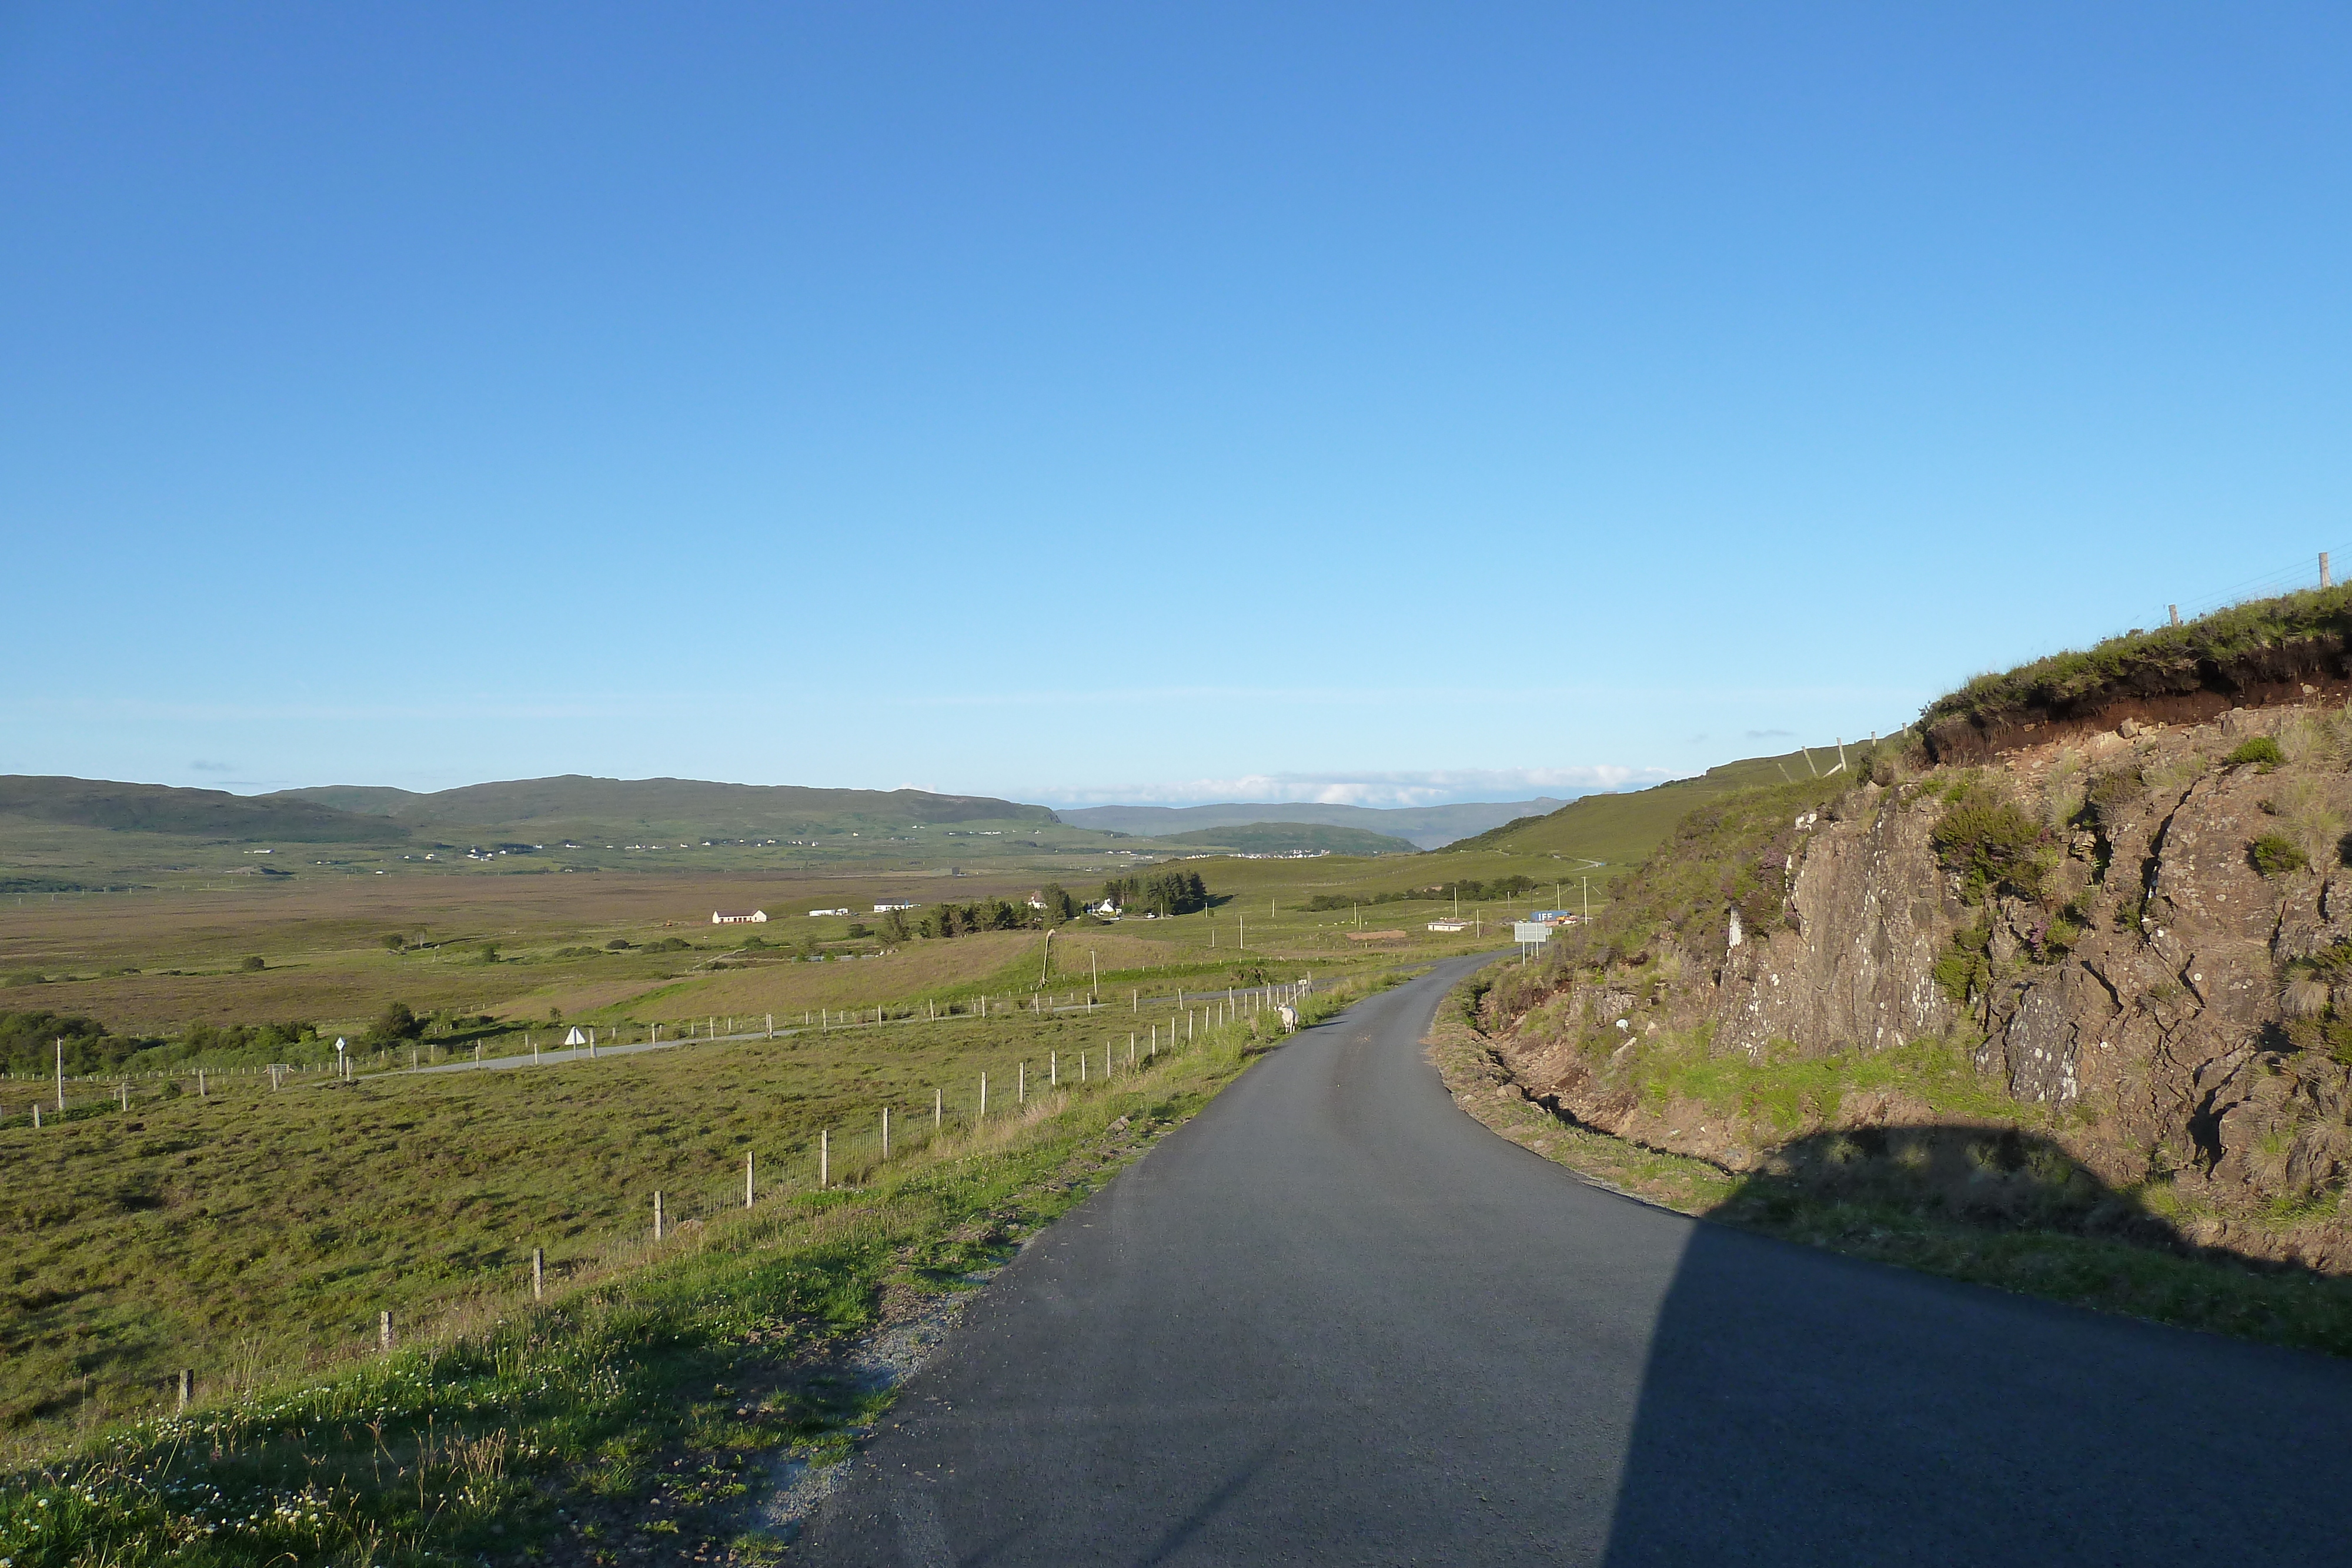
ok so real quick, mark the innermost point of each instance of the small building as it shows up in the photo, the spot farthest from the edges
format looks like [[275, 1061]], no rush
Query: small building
[[757, 917], [1554, 916], [1449, 926], [888, 904], [820, 914]]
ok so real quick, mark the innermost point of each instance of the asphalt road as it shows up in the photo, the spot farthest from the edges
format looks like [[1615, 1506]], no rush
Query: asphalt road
[[1333, 1319]]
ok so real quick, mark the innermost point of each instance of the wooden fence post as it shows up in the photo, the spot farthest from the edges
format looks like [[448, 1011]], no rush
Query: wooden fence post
[[384, 1331], [748, 1190], [657, 1214], [187, 1387], [539, 1273], [824, 1157]]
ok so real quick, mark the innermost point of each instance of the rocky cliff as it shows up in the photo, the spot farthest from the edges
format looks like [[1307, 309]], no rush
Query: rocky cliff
[[2134, 942]]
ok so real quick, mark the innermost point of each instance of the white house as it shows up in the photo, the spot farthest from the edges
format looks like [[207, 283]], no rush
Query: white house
[[1449, 926], [818, 914], [757, 917], [887, 905]]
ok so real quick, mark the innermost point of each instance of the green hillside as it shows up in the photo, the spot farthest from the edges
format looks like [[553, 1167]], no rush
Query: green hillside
[[674, 807], [1423, 827], [1620, 829], [190, 814], [1285, 838]]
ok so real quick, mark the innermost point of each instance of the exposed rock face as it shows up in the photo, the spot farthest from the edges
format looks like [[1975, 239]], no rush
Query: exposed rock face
[[2145, 1007]]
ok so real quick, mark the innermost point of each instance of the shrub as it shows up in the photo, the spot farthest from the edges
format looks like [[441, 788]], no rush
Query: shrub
[[617, 945], [2261, 752], [1965, 967], [1992, 842], [487, 952], [396, 1022], [394, 941], [253, 964], [2276, 854], [2110, 793]]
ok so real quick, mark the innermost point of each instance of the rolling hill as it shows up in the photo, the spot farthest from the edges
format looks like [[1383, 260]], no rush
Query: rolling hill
[[574, 803], [166, 809], [1619, 829], [1424, 827]]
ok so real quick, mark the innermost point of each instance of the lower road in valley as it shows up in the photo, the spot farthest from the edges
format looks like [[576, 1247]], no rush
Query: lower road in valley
[[1333, 1319]]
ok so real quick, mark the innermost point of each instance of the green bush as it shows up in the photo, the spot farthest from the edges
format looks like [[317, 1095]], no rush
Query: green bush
[[2276, 854], [1965, 967], [2261, 751], [1992, 841], [253, 964]]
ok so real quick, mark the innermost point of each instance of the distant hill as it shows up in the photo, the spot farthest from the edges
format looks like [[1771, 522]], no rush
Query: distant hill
[[188, 813], [1620, 829], [576, 804], [1424, 827], [1284, 838]]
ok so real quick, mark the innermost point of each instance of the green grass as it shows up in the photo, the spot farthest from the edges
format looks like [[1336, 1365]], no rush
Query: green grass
[[2170, 660], [638, 1408], [1620, 830], [267, 1229]]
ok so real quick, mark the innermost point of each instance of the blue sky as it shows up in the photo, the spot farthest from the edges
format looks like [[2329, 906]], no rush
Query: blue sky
[[1140, 402]]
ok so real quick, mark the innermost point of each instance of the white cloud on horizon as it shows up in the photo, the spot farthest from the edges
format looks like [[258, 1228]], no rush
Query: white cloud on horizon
[[1436, 787]]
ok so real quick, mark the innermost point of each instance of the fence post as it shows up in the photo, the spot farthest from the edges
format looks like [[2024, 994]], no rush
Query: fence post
[[984, 1099], [1021, 1084], [938, 1099], [539, 1273], [886, 1132], [824, 1157], [384, 1331], [747, 1179], [187, 1387], [657, 1214], [1054, 1070]]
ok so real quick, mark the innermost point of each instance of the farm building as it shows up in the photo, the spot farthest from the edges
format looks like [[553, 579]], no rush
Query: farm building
[[757, 917], [888, 904]]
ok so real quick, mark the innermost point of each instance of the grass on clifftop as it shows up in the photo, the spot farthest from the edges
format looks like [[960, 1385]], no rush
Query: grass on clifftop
[[2168, 661]]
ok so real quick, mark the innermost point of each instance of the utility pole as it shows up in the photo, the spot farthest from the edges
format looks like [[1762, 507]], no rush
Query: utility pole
[[62, 1077]]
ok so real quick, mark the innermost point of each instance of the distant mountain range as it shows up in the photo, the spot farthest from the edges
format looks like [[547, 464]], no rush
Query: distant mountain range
[[1423, 827], [539, 807], [574, 802]]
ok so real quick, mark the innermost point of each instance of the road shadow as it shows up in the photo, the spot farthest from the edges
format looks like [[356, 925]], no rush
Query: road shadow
[[1801, 1407]]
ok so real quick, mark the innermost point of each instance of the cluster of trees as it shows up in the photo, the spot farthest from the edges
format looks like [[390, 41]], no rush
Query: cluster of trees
[[1160, 893], [987, 914], [28, 1044], [1502, 887]]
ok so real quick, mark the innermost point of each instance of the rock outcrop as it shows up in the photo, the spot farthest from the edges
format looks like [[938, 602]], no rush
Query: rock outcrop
[[2154, 986]]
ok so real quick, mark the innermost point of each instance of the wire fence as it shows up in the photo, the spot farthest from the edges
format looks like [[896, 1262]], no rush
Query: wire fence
[[992, 1104]]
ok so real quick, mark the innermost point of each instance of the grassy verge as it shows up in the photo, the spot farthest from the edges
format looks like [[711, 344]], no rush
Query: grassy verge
[[1916, 1227], [637, 1412]]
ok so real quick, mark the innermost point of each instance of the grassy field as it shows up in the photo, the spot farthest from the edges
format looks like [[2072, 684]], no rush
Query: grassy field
[[255, 1238], [268, 1228], [154, 962]]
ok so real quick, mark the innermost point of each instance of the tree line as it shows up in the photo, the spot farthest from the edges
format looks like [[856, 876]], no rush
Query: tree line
[[1502, 887]]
